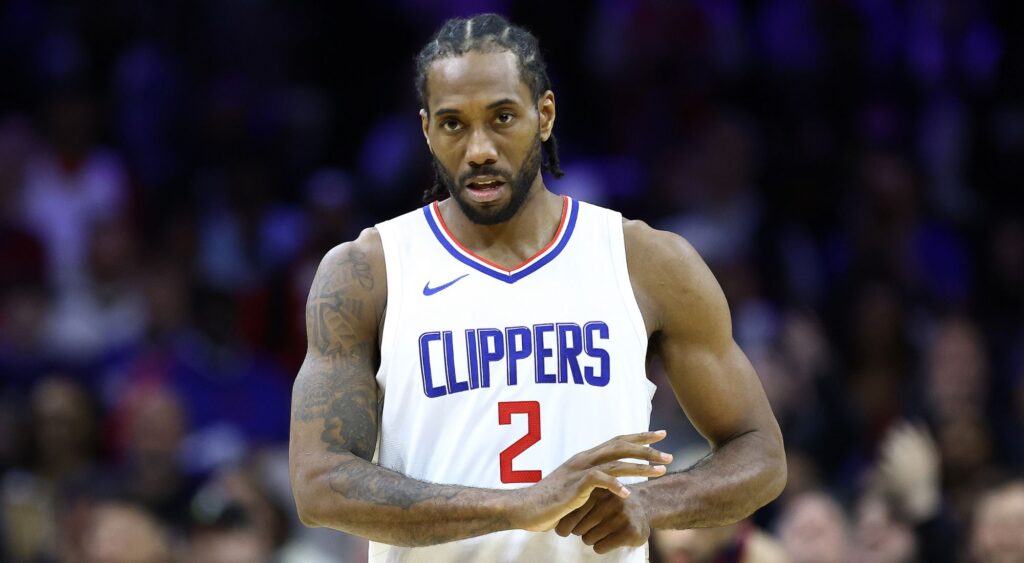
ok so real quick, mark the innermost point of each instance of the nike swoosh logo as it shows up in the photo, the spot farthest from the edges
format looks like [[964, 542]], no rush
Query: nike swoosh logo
[[427, 290]]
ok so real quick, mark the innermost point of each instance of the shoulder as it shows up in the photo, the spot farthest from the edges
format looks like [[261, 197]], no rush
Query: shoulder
[[367, 246], [354, 270], [669, 276], [645, 243]]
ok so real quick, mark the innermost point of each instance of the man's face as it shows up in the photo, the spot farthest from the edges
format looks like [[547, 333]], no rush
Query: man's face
[[485, 133]]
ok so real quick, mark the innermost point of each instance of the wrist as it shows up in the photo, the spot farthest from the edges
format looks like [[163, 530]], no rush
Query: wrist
[[646, 499], [506, 506]]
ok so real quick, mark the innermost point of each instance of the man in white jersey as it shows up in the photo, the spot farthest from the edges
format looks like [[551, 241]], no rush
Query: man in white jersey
[[496, 342]]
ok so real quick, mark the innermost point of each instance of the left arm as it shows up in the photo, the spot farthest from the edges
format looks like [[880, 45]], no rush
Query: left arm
[[688, 317]]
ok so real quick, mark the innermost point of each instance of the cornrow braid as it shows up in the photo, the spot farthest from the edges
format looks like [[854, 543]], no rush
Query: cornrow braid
[[488, 33]]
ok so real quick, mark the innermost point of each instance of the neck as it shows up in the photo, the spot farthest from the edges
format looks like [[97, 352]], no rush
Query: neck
[[516, 239]]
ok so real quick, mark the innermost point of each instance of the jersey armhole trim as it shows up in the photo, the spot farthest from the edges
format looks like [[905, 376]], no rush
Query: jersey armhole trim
[[393, 307], [617, 241]]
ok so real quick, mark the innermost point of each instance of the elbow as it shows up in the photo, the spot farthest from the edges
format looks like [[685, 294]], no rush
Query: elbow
[[306, 508], [307, 517], [779, 476], [308, 495], [776, 470]]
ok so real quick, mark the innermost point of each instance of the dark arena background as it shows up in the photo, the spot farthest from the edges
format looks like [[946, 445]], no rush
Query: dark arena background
[[172, 172]]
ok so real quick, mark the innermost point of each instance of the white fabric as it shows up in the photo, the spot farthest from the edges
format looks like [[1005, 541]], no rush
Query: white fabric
[[456, 437]]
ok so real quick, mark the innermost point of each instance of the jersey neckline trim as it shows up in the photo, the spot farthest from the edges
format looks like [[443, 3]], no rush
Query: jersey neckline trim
[[570, 210]]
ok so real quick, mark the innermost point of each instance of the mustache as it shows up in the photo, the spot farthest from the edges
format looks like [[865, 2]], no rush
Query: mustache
[[485, 170]]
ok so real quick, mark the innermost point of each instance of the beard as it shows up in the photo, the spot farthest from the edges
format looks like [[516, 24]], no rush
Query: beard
[[518, 184]]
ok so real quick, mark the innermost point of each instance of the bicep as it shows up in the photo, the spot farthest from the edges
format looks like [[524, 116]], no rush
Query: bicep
[[334, 398], [716, 388], [710, 375]]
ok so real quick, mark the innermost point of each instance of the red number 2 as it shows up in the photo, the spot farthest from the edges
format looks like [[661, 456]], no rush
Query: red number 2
[[532, 411]]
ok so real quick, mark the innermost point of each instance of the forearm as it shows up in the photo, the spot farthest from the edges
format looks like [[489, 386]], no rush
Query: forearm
[[741, 476], [362, 498]]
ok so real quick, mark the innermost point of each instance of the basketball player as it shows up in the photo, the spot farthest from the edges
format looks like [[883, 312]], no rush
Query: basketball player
[[504, 333]]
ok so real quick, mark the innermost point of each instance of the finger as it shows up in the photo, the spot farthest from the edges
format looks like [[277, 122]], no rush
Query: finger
[[642, 438], [569, 521], [619, 538], [597, 479], [602, 530], [626, 450], [627, 469], [639, 439], [600, 513]]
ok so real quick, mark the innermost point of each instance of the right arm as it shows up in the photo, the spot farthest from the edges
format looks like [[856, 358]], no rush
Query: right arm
[[334, 432], [334, 421]]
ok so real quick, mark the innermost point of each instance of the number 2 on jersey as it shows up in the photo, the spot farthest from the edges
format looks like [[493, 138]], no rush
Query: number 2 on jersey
[[532, 411]]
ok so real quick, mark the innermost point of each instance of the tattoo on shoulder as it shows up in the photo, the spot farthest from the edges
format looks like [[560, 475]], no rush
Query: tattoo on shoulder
[[338, 387]]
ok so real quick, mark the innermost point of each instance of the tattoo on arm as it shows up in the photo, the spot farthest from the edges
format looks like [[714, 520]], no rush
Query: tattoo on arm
[[359, 480], [378, 485], [336, 387]]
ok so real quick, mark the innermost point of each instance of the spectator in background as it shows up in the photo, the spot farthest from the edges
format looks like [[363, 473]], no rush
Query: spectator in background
[[123, 533], [152, 473], [64, 425], [891, 233], [71, 185], [814, 529], [721, 213], [900, 517], [880, 359], [103, 310], [956, 395], [239, 486], [742, 542], [223, 532], [880, 535]]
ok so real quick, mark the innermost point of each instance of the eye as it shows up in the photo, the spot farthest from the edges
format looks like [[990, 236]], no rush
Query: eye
[[506, 117], [451, 125]]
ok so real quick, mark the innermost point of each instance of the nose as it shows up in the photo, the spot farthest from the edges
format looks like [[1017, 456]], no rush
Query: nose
[[481, 149]]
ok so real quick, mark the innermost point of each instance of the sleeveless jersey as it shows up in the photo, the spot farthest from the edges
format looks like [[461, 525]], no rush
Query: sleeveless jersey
[[493, 377]]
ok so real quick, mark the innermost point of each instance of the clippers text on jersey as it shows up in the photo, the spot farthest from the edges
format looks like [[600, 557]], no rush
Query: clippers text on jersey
[[549, 352]]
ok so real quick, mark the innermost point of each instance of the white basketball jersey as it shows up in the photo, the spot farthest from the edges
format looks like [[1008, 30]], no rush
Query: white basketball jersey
[[493, 377]]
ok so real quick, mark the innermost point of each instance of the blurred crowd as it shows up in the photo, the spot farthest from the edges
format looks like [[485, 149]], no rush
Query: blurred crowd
[[172, 172]]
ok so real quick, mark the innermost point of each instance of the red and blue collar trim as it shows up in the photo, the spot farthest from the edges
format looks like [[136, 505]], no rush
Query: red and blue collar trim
[[570, 210]]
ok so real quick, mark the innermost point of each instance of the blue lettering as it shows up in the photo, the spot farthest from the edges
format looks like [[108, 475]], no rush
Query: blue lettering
[[543, 352], [474, 361], [516, 353], [568, 354], [492, 348], [601, 330], [557, 352], [454, 385], [428, 385]]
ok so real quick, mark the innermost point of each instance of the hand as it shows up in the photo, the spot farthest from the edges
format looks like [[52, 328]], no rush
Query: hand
[[909, 469], [540, 506], [608, 522]]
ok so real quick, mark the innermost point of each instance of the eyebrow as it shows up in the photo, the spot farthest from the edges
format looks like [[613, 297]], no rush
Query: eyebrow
[[492, 105]]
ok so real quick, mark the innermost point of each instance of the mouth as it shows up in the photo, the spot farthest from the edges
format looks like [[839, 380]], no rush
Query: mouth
[[485, 189]]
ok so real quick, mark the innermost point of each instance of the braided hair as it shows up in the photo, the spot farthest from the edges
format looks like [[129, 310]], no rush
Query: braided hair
[[488, 33]]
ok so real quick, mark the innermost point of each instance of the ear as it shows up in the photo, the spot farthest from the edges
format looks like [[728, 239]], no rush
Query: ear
[[425, 123], [546, 111]]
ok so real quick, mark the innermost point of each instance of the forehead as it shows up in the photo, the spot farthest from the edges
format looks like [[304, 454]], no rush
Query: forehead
[[475, 78]]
